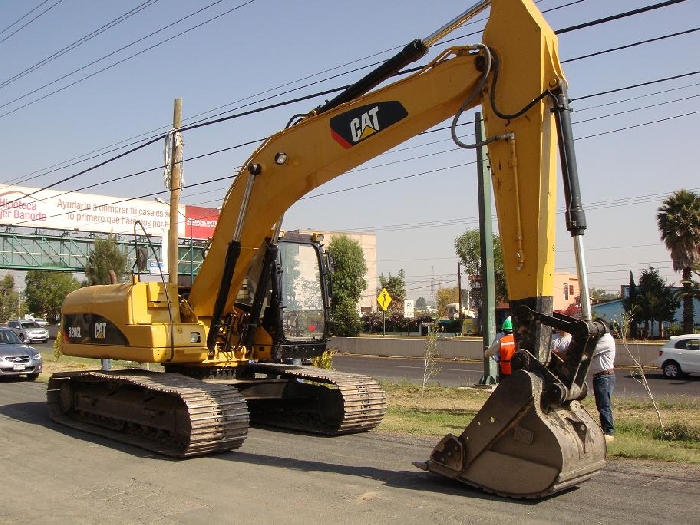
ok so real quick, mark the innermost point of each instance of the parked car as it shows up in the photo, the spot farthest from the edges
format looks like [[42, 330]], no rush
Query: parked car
[[41, 322], [680, 355], [29, 331], [16, 358]]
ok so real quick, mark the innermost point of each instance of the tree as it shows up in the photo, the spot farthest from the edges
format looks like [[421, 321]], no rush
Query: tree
[[105, 256], [443, 297], [421, 303], [599, 295], [46, 290], [679, 223], [630, 306], [468, 249], [347, 282], [9, 299], [654, 302], [396, 286]]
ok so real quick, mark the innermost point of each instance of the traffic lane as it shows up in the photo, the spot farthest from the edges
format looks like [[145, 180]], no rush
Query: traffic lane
[[451, 373], [466, 373]]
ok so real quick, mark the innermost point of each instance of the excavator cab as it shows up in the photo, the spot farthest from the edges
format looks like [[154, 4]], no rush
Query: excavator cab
[[291, 299]]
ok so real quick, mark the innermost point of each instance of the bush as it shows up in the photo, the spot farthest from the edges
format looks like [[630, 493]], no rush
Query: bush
[[373, 323], [57, 346], [325, 360], [345, 321]]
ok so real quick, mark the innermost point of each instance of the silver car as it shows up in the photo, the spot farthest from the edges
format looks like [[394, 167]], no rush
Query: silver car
[[16, 358], [29, 331]]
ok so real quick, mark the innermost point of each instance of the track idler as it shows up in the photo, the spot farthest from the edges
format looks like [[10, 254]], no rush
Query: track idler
[[515, 446]]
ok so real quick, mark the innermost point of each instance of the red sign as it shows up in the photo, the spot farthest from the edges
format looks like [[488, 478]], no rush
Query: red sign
[[200, 222]]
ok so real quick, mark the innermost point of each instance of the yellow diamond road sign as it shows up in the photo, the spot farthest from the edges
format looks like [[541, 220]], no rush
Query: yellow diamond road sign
[[384, 299]]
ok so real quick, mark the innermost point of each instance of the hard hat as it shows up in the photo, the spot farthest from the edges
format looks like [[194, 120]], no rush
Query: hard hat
[[507, 324]]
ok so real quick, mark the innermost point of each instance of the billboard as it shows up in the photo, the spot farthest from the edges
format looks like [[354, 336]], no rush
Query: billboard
[[200, 222], [65, 210]]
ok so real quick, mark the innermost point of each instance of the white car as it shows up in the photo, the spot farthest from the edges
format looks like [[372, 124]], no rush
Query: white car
[[680, 355]]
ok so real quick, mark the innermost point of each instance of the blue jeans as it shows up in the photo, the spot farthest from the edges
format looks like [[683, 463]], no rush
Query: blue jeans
[[603, 387]]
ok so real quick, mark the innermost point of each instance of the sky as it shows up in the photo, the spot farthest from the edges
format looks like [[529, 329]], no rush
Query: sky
[[83, 81]]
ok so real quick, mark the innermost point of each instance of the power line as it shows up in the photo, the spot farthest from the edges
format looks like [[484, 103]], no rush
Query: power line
[[30, 21], [118, 62], [635, 44], [79, 42], [640, 84], [371, 56], [405, 177], [194, 126], [617, 16]]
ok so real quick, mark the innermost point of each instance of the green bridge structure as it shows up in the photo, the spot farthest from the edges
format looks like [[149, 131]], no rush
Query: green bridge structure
[[68, 251]]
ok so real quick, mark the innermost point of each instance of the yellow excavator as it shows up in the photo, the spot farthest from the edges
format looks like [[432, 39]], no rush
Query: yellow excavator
[[261, 296]]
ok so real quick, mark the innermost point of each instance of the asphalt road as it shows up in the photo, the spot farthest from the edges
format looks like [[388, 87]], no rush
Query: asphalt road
[[460, 373], [53, 474]]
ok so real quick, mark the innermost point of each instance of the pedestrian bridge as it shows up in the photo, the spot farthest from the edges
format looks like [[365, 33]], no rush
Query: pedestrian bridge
[[62, 250]]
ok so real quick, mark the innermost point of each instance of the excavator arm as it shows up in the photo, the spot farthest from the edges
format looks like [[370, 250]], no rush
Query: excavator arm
[[326, 144]]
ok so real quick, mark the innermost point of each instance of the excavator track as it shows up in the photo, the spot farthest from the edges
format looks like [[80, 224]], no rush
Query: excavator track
[[319, 401], [166, 413]]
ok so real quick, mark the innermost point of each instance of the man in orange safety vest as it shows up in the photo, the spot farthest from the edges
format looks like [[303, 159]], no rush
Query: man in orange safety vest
[[503, 348]]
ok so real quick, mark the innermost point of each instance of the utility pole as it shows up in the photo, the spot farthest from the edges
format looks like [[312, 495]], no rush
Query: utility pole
[[488, 292], [175, 191], [459, 293]]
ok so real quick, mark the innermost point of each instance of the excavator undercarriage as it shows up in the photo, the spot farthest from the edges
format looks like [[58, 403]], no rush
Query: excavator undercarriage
[[170, 414], [181, 416]]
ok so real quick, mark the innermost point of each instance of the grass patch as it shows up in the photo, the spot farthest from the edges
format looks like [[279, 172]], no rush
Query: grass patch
[[66, 363], [443, 410]]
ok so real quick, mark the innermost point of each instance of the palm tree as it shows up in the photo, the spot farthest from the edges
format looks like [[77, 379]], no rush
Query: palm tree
[[679, 224]]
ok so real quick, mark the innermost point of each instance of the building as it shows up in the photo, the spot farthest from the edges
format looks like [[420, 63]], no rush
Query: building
[[368, 243], [566, 291], [614, 310]]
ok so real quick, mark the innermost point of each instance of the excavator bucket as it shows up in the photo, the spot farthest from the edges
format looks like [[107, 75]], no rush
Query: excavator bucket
[[517, 446]]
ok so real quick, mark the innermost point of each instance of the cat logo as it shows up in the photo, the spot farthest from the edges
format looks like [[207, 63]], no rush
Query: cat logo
[[100, 330], [358, 124]]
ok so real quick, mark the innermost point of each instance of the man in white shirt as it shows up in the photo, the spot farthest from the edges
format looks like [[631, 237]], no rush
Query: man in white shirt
[[603, 370], [561, 342]]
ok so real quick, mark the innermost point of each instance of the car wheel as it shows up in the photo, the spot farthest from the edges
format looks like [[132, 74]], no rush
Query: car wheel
[[32, 377], [672, 370]]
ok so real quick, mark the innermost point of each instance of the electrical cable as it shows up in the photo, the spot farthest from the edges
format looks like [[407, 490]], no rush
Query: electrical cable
[[118, 62], [79, 42], [218, 120], [338, 89], [376, 54], [30, 21], [635, 44], [617, 16]]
